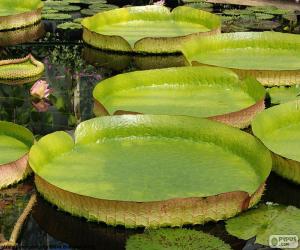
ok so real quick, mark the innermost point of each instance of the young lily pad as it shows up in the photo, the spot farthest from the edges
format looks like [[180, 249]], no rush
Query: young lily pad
[[279, 95], [56, 16], [67, 8], [15, 142], [51, 3], [148, 29], [179, 239], [49, 11], [263, 16], [279, 129], [19, 13], [78, 20], [265, 221], [200, 5], [135, 171], [194, 91], [268, 10], [20, 71], [97, 8], [271, 57], [69, 25], [84, 1], [237, 12]]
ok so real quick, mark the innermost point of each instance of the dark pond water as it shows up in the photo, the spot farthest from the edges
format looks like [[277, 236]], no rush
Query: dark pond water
[[72, 70]]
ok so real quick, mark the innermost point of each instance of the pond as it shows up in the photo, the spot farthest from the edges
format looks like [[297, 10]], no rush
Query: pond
[[72, 69]]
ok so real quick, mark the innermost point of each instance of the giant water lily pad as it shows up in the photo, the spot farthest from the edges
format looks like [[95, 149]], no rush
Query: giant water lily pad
[[179, 239], [271, 57], [149, 29], [19, 13], [195, 91], [265, 221], [20, 71], [279, 129], [15, 142], [152, 171]]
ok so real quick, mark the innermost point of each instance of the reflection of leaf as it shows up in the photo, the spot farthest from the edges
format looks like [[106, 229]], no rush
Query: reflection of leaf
[[179, 239], [265, 221]]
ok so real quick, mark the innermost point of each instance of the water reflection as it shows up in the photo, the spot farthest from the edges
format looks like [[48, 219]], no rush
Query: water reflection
[[18, 36]]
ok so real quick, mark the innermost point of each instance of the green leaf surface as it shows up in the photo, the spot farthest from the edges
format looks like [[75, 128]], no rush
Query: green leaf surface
[[69, 25], [15, 142], [175, 239], [8, 7], [140, 158], [56, 16], [279, 129], [265, 221], [135, 23], [193, 91], [247, 50], [279, 95]]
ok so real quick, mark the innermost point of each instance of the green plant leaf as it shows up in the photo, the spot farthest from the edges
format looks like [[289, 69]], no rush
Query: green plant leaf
[[69, 25], [271, 57], [265, 221], [175, 239], [193, 91], [127, 29], [279, 95]]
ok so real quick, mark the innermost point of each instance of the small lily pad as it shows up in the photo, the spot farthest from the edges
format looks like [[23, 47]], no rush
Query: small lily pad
[[85, 1], [237, 12], [49, 11], [264, 16], [78, 20], [56, 16], [280, 95], [69, 25], [179, 239], [265, 221], [66, 8], [268, 10], [55, 3]]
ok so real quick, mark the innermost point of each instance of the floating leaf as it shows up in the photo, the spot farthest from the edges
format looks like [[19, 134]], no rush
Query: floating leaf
[[28, 13], [69, 25], [279, 95], [278, 128], [183, 91], [265, 221], [271, 57], [156, 149], [147, 29], [179, 239], [56, 16]]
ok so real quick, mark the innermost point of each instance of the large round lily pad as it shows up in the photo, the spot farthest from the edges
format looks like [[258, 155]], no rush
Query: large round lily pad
[[143, 170], [271, 57], [148, 29], [15, 142], [279, 129], [20, 71], [179, 239], [19, 13], [194, 91]]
